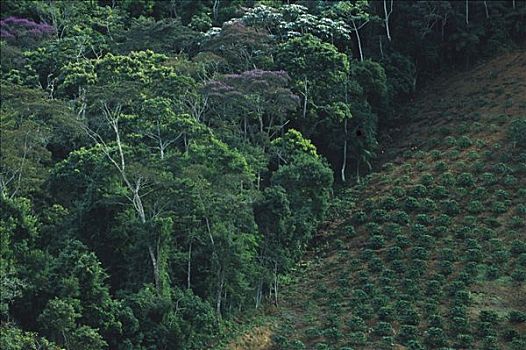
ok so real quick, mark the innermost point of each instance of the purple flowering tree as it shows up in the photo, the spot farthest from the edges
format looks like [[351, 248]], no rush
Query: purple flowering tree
[[19, 29], [257, 101]]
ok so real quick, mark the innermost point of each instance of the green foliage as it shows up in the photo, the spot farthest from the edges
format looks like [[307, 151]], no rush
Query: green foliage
[[517, 132], [165, 165]]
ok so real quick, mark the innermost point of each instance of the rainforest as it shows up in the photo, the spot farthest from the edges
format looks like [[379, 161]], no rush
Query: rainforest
[[262, 174]]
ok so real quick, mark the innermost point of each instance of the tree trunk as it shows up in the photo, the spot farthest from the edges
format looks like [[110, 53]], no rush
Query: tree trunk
[[219, 295], [215, 9], [386, 18], [155, 266], [259, 292], [467, 12], [189, 266], [486, 8], [358, 171], [356, 30], [344, 162], [276, 283], [305, 93]]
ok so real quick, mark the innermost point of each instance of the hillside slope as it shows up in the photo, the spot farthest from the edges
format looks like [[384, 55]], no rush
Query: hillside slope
[[430, 250]]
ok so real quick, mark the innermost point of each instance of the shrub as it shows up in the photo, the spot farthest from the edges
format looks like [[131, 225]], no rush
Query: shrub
[[443, 220], [358, 338], [420, 166], [427, 179], [433, 288], [450, 207], [441, 166], [369, 204], [407, 333], [447, 254], [517, 132], [501, 168], [414, 345], [419, 253], [373, 228], [465, 180], [488, 179], [473, 155], [402, 241], [492, 222], [398, 191], [510, 181], [516, 222], [359, 217], [400, 217], [297, 345], [447, 179], [516, 316], [332, 333], [439, 192], [375, 264], [486, 233], [383, 329], [394, 253], [489, 316], [492, 272], [435, 337], [486, 329], [392, 229], [445, 267], [502, 194], [418, 191], [366, 254], [427, 205], [385, 313], [435, 154], [350, 231], [313, 332], [500, 256], [464, 341], [363, 310], [423, 219], [322, 346], [462, 297], [519, 275], [464, 142], [459, 325], [389, 203], [418, 267], [376, 242], [521, 209], [418, 230], [475, 207], [411, 204], [518, 344], [439, 231], [517, 247], [469, 220], [409, 317], [379, 215], [450, 141], [453, 154], [499, 207], [478, 166]]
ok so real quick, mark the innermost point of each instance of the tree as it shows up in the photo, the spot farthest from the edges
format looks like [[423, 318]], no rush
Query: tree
[[301, 58], [387, 14], [258, 100], [358, 15], [59, 319], [243, 48]]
